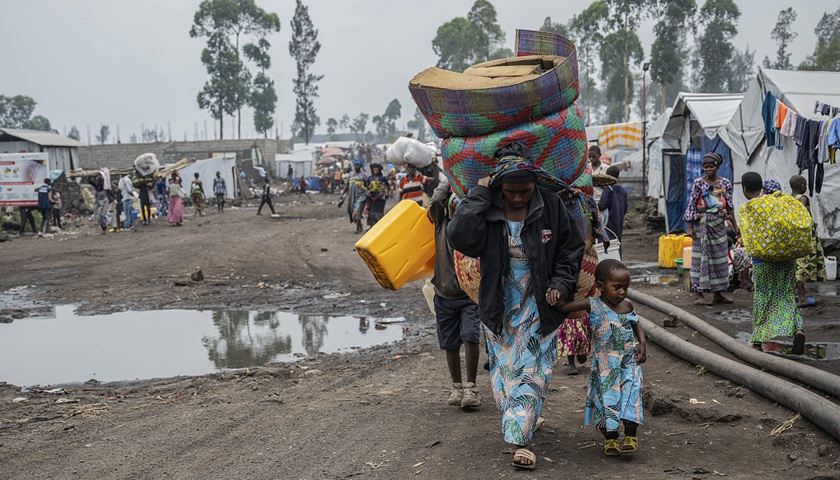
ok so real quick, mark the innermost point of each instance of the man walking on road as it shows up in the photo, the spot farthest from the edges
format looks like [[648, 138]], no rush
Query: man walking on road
[[219, 190], [126, 188]]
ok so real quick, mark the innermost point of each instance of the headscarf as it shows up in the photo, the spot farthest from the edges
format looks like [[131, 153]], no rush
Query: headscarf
[[516, 166], [359, 162], [769, 186], [712, 157], [375, 165]]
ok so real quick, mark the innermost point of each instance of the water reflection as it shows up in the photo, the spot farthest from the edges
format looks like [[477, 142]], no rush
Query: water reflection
[[165, 343], [246, 339]]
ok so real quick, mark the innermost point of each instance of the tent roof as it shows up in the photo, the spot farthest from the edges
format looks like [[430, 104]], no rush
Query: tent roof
[[694, 113], [797, 89], [44, 139]]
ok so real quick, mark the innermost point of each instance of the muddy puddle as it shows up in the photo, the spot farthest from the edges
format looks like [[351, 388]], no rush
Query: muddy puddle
[[63, 347]]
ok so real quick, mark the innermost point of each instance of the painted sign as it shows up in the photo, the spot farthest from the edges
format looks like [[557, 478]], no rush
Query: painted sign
[[20, 176]]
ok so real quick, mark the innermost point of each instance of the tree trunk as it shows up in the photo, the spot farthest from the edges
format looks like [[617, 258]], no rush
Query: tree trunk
[[662, 96], [626, 80], [221, 127]]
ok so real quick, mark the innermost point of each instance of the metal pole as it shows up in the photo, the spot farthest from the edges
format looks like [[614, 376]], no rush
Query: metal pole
[[645, 68]]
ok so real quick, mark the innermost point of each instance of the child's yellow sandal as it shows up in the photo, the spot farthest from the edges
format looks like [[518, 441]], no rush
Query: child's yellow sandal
[[630, 445], [611, 448]]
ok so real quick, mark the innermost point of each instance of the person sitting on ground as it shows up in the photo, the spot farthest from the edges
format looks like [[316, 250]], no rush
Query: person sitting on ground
[[265, 199], [615, 386], [411, 187], [775, 312], [613, 203], [219, 190], [810, 268], [456, 314], [530, 255]]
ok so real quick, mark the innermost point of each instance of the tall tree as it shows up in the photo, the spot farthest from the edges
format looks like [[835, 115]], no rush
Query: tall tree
[[418, 124], [586, 29], [558, 28], [332, 126], [304, 47], [783, 34], [344, 123], [359, 126], [826, 56], [15, 112], [224, 23], [104, 132], [668, 53], [743, 70], [381, 124], [462, 42], [263, 97], [391, 115], [618, 50], [74, 133], [457, 44], [719, 18], [39, 122], [483, 15]]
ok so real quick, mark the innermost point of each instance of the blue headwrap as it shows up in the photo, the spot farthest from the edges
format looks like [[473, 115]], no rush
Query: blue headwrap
[[359, 162], [770, 186]]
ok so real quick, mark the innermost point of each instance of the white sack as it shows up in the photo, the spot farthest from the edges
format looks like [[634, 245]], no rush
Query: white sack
[[409, 150], [147, 164]]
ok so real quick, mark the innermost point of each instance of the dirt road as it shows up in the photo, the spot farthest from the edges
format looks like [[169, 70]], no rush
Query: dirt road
[[375, 414]]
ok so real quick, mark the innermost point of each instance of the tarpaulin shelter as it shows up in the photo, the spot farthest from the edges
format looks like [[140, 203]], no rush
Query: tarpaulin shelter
[[798, 90], [207, 169], [678, 141]]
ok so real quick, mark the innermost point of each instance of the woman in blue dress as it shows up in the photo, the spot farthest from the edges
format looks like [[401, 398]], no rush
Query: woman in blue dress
[[530, 257]]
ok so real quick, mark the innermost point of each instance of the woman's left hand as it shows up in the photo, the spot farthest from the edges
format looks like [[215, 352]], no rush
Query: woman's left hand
[[553, 297]]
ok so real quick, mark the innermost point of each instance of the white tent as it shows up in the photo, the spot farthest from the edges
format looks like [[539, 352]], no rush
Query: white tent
[[207, 169], [695, 125], [798, 90]]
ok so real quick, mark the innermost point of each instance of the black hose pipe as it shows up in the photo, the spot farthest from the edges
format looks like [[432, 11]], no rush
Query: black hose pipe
[[814, 377], [815, 408]]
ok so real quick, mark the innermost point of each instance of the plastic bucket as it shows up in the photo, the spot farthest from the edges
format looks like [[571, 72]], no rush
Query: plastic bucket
[[613, 253], [679, 262], [831, 268]]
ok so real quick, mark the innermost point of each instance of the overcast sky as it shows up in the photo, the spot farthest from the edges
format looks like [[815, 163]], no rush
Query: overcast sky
[[131, 62]]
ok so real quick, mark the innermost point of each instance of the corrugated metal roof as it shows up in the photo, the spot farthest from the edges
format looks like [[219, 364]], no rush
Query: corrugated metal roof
[[44, 139]]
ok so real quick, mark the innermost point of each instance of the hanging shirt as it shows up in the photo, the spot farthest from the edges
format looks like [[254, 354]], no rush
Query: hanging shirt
[[769, 121], [789, 124]]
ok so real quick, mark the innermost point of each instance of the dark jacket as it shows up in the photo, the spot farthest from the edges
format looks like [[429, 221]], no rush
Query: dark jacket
[[44, 197], [554, 249]]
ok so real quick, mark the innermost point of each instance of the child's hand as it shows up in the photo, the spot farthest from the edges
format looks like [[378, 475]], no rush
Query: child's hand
[[553, 297], [641, 353]]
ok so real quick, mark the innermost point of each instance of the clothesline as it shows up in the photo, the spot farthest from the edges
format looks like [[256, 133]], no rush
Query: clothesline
[[816, 140]]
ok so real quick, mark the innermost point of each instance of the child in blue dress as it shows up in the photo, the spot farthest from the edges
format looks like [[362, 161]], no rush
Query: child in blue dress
[[615, 382]]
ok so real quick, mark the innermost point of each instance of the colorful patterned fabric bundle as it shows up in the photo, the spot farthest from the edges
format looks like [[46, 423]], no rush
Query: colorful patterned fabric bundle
[[468, 272], [776, 228], [467, 113], [558, 142]]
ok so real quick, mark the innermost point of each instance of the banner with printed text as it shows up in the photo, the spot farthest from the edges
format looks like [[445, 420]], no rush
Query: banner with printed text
[[20, 176]]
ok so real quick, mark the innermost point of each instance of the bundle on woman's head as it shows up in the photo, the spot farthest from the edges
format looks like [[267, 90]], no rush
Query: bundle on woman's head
[[516, 165], [769, 186], [713, 157]]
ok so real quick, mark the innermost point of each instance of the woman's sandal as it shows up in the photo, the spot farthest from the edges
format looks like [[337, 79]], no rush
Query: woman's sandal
[[524, 453], [611, 448], [630, 445]]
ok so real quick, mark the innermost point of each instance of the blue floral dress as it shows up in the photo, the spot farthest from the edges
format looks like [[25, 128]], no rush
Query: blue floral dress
[[615, 381], [521, 360]]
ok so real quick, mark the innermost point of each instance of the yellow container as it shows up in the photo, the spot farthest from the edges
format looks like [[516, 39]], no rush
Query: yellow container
[[401, 246], [670, 249]]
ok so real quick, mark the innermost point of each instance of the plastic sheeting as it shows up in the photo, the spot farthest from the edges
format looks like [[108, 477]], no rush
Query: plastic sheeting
[[745, 134], [207, 169]]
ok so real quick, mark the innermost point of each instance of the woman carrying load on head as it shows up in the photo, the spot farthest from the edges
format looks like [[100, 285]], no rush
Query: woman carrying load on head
[[709, 206], [530, 255]]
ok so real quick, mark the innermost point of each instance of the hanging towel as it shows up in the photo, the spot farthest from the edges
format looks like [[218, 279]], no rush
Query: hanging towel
[[780, 118]]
